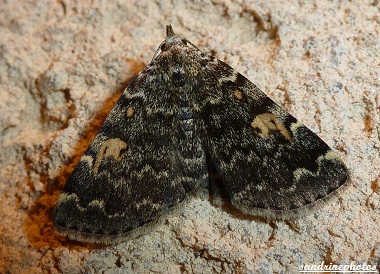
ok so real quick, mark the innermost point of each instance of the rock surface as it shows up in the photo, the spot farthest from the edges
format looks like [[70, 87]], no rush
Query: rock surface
[[63, 64]]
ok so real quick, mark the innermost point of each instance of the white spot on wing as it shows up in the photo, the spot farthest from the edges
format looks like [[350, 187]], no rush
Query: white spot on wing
[[110, 149], [266, 122], [87, 159]]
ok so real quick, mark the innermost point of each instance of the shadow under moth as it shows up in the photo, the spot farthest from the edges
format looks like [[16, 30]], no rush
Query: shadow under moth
[[189, 121]]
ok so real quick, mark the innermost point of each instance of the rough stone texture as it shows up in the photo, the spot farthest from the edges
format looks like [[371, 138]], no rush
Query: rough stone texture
[[64, 64]]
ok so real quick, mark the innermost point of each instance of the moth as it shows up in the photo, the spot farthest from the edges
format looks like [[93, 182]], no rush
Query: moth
[[189, 121]]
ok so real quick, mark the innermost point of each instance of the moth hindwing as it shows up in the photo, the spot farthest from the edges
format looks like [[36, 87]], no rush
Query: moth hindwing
[[188, 120]]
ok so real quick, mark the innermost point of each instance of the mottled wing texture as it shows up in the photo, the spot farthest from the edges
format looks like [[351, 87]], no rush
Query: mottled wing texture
[[186, 121], [141, 163], [270, 163]]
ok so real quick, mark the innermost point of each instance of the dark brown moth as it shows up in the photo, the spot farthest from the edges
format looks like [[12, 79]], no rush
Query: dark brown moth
[[187, 121]]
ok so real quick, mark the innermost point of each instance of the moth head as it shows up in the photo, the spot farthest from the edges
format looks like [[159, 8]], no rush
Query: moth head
[[174, 43]]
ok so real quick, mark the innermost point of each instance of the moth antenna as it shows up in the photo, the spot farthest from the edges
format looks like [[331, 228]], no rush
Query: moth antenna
[[169, 31]]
